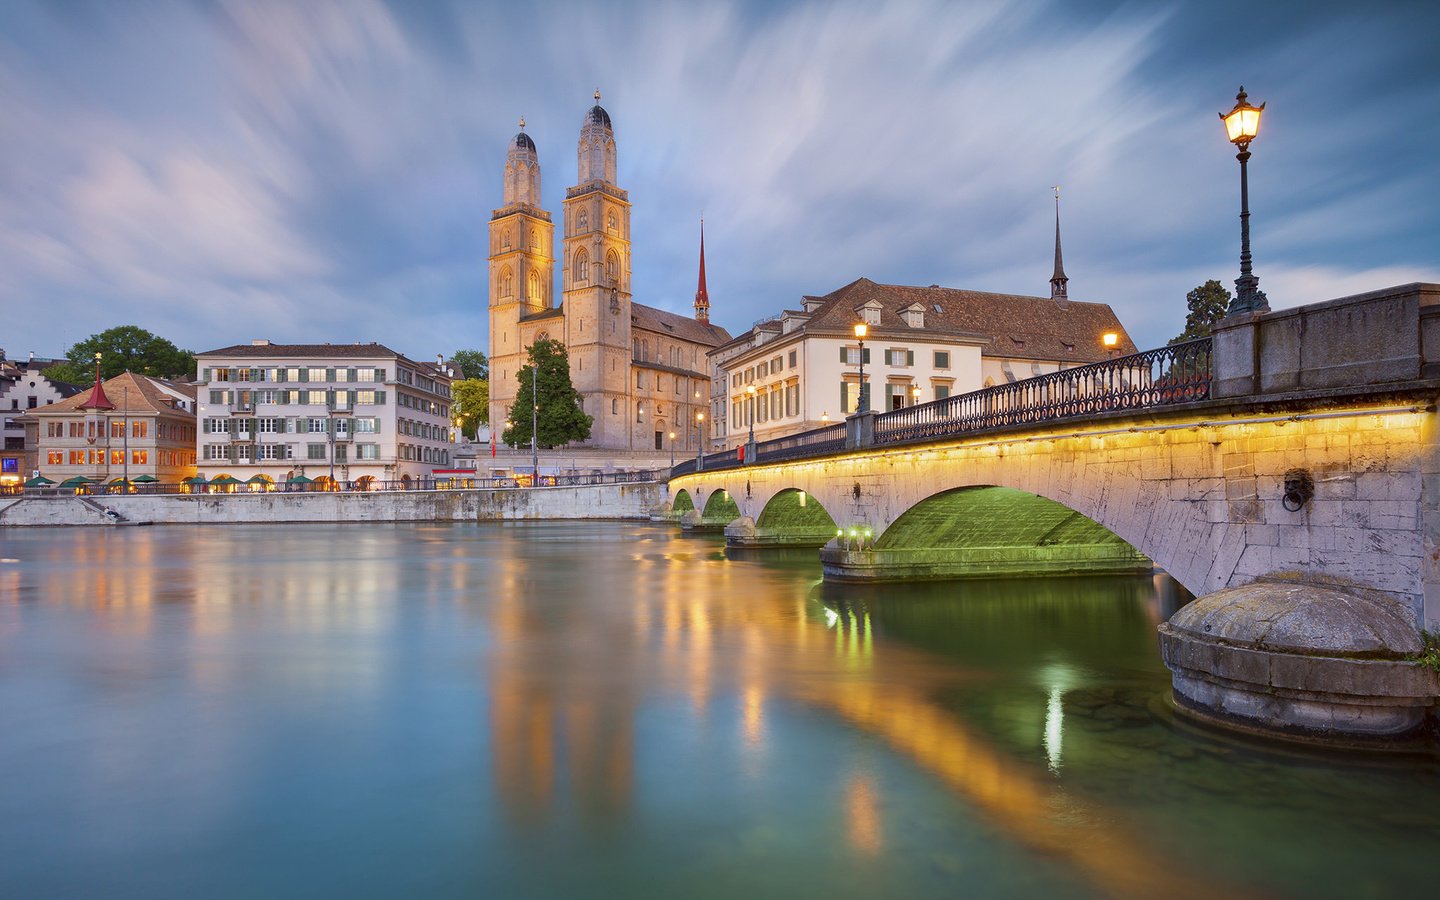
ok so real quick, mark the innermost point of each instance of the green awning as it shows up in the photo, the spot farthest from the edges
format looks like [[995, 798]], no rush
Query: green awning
[[195, 479], [226, 479], [300, 479], [259, 479], [145, 479], [77, 481], [38, 481], [118, 481]]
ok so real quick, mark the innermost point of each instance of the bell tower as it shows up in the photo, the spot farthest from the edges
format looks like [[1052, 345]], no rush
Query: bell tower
[[595, 283], [522, 266]]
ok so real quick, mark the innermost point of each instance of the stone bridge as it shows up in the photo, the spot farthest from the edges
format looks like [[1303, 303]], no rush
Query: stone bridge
[[1297, 447]]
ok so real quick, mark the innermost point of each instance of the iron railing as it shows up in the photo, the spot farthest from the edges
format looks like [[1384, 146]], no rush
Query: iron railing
[[1179, 373], [826, 439], [446, 483]]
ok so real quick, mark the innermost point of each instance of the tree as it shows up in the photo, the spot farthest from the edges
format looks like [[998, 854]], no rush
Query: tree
[[1207, 305], [470, 364], [123, 348], [470, 403], [561, 420]]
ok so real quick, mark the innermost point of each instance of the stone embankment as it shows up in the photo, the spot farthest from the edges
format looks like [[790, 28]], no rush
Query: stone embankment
[[599, 501]]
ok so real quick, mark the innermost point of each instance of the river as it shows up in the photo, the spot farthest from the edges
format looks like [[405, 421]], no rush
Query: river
[[617, 710]]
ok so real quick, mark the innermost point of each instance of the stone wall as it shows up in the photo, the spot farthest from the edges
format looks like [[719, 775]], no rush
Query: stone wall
[[604, 501]]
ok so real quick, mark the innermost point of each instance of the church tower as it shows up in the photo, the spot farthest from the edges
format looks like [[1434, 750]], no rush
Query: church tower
[[522, 263], [702, 296], [595, 279]]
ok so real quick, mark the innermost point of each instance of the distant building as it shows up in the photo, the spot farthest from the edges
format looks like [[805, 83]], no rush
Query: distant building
[[641, 371], [923, 344], [24, 386], [357, 413], [130, 425]]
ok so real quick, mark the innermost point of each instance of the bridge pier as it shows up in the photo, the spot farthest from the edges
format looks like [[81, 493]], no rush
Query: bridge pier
[[744, 534]]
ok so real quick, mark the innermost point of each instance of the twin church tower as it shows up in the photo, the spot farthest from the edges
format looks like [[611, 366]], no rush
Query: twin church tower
[[640, 370]]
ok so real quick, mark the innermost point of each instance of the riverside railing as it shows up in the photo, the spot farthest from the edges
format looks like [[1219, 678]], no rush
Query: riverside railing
[[1179, 373], [447, 483]]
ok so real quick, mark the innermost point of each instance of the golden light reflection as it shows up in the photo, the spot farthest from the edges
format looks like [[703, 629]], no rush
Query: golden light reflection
[[754, 715], [862, 815]]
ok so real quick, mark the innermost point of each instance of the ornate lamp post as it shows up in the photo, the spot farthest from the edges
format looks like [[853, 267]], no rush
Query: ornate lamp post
[[750, 405], [534, 421], [672, 449], [861, 329], [699, 440], [1241, 125], [915, 395]]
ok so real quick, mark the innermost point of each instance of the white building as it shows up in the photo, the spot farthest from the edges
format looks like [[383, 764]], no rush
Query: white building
[[357, 413], [923, 344]]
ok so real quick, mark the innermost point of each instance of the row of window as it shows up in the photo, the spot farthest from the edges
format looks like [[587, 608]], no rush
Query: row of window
[[293, 374], [244, 453], [266, 425], [678, 381], [780, 402], [341, 399], [895, 357], [897, 396], [139, 428], [766, 367], [99, 457]]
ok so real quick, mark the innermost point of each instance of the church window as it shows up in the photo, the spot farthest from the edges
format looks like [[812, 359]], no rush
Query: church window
[[611, 220], [640, 411], [541, 336], [583, 221], [534, 286], [614, 407], [612, 268], [507, 282], [639, 379], [582, 265], [505, 239], [534, 242]]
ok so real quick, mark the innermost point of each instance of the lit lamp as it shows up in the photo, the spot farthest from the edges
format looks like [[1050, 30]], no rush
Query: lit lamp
[[1111, 340], [672, 449], [1241, 125], [824, 417], [861, 329], [915, 395]]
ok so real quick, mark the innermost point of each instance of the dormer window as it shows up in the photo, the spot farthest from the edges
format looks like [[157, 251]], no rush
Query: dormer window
[[869, 313], [914, 316]]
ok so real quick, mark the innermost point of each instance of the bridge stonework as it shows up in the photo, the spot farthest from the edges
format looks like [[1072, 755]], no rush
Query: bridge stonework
[[1200, 495]]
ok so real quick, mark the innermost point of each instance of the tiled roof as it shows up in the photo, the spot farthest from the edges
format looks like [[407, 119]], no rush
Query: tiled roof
[[371, 350], [661, 322], [1018, 326], [130, 394]]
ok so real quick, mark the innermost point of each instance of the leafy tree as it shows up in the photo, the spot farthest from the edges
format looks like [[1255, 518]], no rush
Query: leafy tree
[[561, 419], [470, 403], [1207, 305], [125, 347], [470, 364]]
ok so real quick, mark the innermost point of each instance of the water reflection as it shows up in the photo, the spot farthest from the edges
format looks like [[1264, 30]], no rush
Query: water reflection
[[568, 709]]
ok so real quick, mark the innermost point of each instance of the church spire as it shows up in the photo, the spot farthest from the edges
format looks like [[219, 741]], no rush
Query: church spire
[[702, 296], [97, 399], [1058, 281]]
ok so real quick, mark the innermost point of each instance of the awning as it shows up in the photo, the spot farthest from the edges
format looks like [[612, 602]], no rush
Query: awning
[[145, 479], [77, 481], [195, 479], [300, 479], [38, 481], [226, 479], [260, 479]]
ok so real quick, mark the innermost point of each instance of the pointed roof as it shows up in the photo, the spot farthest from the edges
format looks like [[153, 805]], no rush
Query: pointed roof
[[97, 398], [702, 296], [137, 395], [1058, 281]]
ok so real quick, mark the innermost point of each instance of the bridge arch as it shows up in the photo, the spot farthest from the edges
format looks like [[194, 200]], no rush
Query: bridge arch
[[790, 517], [682, 503], [720, 506]]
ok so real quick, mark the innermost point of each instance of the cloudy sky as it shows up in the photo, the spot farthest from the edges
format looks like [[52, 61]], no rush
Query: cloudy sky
[[217, 172]]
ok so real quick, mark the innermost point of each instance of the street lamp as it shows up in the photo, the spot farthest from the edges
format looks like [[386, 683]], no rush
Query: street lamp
[[915, 395], [750, 391], [700, 440], [672, 449], [1111, 341], [1241, 125], [861, 329], [534, 420]]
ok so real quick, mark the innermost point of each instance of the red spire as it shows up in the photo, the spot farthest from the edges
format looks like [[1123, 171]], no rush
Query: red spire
[[97, 398], [702, 296]]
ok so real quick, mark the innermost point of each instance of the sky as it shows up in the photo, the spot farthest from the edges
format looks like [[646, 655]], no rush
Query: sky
[[314, 171]]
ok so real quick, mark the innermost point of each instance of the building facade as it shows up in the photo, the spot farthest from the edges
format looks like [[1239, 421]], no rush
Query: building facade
[[24, 386], [131, 426], [923, 344], [642, 372], [357, 414]]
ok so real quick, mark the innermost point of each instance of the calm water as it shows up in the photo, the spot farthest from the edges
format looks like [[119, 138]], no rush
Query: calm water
[[566, 710]]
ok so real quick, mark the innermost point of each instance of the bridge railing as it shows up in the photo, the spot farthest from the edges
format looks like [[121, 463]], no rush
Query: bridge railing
[[807, 443], [1179, 373]]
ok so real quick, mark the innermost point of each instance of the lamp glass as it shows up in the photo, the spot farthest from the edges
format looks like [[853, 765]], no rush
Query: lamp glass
[[860, 330], [1110, 339], [1243, 123]]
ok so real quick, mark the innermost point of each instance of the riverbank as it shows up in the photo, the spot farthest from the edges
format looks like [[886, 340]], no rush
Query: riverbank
[[595, 501]]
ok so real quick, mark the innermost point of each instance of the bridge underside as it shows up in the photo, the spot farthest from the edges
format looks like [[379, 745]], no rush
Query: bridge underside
[[720, 510], [983, 532], [792, 519]]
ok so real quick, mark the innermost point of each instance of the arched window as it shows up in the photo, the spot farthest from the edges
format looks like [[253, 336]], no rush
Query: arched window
[[583, 221], [612, 268], [507, 282], [541, 336], [610, 221], [582, 265], [635, 350], [640, 411], [534, 286], [614, 407]]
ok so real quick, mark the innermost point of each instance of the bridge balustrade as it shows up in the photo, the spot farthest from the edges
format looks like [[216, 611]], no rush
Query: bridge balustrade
[[828, 439]]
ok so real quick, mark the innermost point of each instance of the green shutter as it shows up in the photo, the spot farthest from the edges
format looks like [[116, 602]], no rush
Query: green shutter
[[844, 355], [304, 375], [205, 375], [865, 354], [379, 398], [909, 357], [844, 397]]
